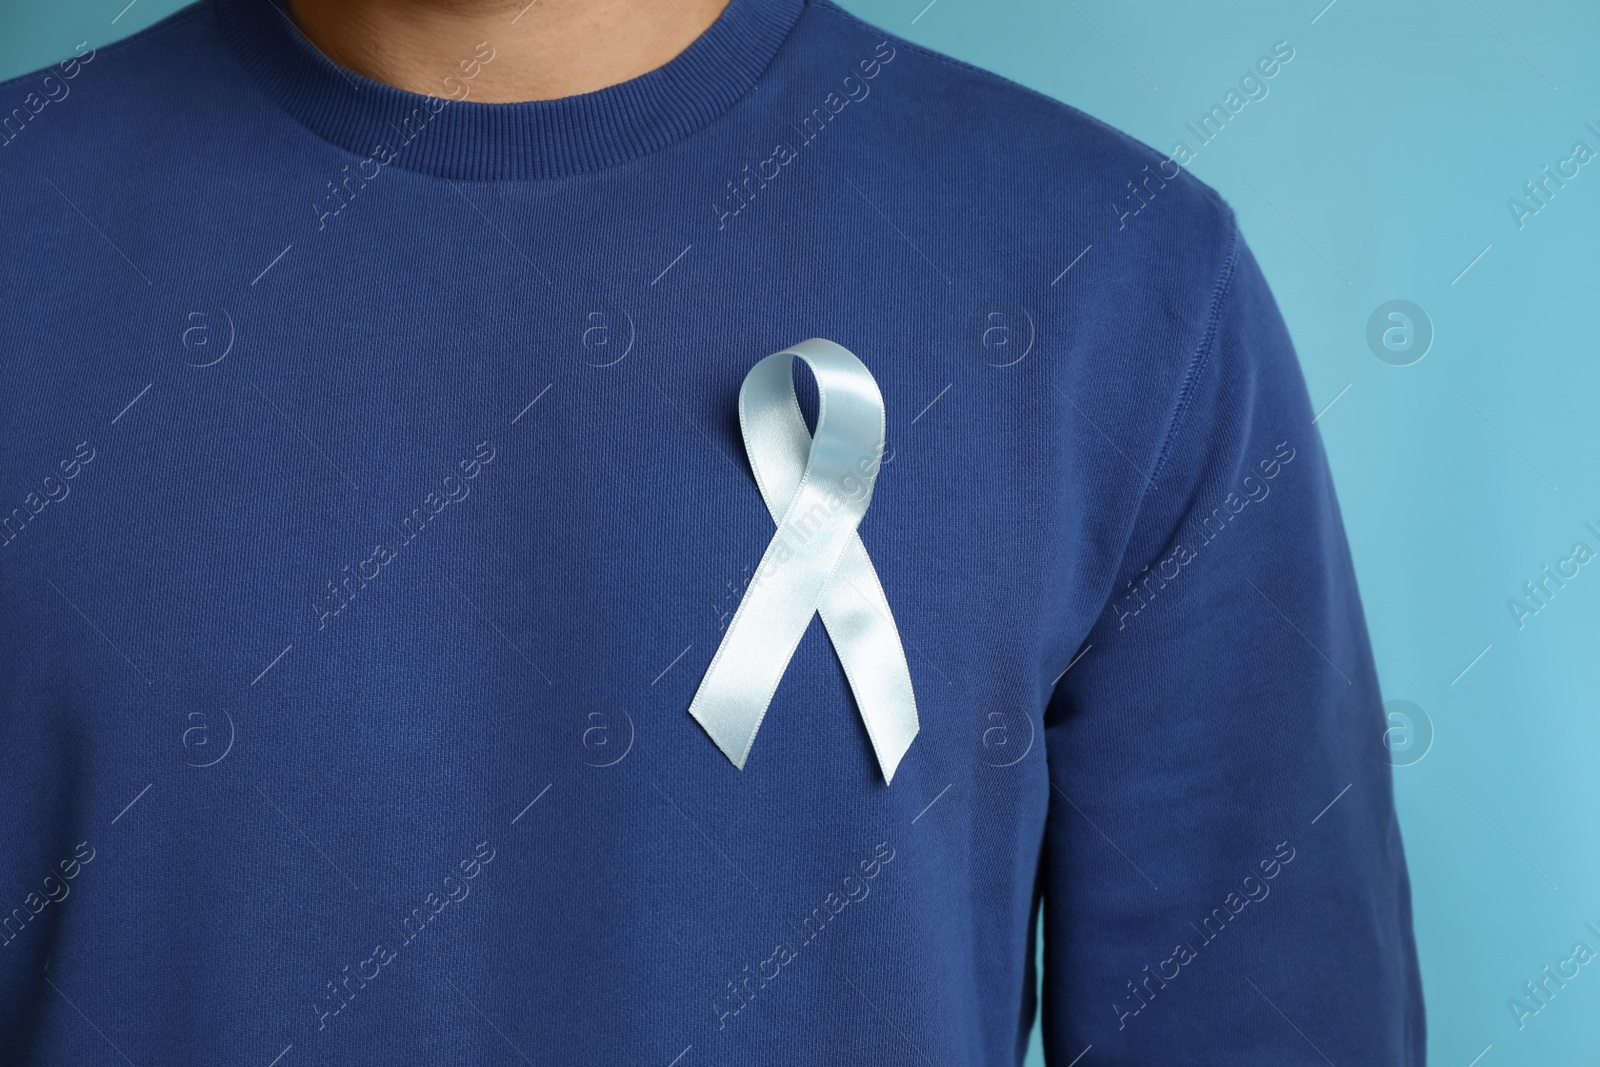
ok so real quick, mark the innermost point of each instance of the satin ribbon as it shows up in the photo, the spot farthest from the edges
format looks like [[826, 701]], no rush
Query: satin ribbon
[[817, 490]]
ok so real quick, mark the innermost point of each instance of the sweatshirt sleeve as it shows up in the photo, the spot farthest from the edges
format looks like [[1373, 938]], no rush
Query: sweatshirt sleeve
[[1223, 875]]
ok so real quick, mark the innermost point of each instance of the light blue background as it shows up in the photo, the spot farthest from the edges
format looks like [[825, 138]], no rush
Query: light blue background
[[1379, 167]]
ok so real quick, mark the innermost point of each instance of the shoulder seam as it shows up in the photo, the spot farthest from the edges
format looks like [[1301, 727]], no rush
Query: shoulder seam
[[178, 17], [1220, 291]]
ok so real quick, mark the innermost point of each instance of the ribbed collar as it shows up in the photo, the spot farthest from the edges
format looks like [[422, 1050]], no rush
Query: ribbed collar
[[494, 142]]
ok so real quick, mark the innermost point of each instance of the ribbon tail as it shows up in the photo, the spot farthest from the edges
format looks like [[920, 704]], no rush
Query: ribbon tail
[[737, 689], [732, 729], [856, 613]]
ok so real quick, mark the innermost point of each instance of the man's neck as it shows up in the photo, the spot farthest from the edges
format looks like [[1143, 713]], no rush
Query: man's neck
[[540, 50]]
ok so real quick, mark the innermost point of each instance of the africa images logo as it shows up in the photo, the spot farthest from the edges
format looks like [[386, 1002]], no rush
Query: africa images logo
[[742, 191]]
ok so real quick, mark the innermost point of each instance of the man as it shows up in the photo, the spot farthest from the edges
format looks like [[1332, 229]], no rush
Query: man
[[380, 504]]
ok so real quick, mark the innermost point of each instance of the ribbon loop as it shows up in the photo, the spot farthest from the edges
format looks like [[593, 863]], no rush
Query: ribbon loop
[[817, 489]]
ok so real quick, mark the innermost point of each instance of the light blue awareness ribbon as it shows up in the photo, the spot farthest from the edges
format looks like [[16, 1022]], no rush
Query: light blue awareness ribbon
[[817, 490]]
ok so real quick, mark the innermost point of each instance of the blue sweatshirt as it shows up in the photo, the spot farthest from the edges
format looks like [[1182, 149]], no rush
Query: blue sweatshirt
[[375, 501]]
